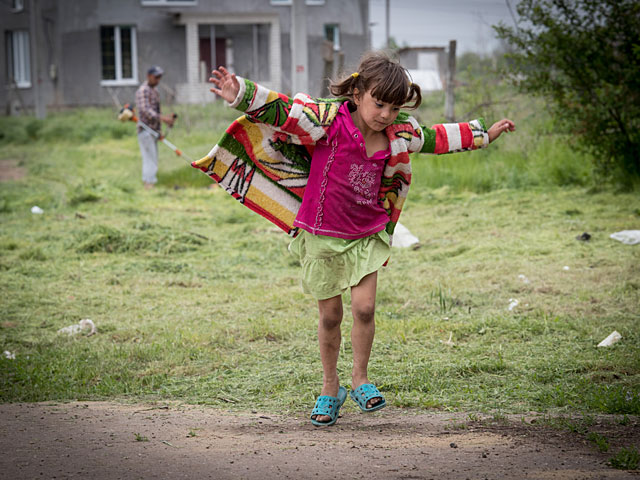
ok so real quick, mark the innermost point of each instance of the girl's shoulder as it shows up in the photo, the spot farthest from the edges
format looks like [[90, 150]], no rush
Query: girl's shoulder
[[406, 127], [404, 117], [318, 112]]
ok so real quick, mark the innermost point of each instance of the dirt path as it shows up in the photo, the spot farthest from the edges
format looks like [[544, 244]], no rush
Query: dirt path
[[10, 170], [114, 441]]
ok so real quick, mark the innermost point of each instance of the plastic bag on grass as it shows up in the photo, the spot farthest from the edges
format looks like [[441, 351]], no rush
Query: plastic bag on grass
[[78, 327], [402, 237], [628, 237]]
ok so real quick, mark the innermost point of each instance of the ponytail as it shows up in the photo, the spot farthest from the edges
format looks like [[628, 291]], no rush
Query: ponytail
[[346, 87], [415, 95]]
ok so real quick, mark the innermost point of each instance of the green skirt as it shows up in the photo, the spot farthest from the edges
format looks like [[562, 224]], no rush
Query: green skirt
[[332, 265]]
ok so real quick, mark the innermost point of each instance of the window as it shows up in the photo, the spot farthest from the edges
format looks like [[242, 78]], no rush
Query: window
[[17, 5], [18, 58], [119, 55], [332, 33]]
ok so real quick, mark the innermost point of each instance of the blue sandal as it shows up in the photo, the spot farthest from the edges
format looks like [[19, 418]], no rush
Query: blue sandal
[[366, 392], [330, 406]]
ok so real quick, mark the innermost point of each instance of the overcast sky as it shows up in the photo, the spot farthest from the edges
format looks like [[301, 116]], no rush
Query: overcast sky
[[434, 22]]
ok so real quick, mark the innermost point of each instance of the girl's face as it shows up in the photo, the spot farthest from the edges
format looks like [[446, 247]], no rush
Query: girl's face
[[377, 115]]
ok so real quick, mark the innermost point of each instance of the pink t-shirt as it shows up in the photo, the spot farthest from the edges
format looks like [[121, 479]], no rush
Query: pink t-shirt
[[341, 196]]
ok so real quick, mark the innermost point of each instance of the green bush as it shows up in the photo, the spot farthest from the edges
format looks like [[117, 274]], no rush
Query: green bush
[[584, 56]]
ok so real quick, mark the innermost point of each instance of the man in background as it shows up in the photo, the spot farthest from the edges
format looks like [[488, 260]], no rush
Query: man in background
[[148, 104]]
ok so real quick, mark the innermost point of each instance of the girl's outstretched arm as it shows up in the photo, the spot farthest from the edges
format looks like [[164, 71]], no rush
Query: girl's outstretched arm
[[504, 125], [460, 137], [226, 84], [260, 103], [455, 137]]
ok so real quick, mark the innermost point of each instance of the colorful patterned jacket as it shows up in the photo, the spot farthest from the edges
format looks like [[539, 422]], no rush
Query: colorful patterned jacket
[[264, 157]]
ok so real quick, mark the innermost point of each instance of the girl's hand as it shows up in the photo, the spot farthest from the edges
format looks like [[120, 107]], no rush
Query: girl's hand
[[227, 84], [504, 125]]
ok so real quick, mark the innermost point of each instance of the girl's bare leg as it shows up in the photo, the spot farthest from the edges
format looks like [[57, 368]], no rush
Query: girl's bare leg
[[329, 338], [363, 306]]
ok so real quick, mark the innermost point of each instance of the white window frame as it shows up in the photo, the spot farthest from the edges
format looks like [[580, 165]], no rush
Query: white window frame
[[119, 81], [169, 3], [17, 6], [20, 57], [336, 35]]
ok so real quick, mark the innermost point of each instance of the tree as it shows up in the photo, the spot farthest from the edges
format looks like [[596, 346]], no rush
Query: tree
[[584, 56]]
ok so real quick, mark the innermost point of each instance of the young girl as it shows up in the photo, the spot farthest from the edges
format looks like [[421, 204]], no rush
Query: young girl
[[335, 172]]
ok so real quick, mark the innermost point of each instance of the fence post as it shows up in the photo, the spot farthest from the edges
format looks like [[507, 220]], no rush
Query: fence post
[[451, 75]]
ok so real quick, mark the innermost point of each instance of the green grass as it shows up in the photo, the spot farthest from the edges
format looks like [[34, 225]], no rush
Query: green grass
[[197, 299], [626, 459]]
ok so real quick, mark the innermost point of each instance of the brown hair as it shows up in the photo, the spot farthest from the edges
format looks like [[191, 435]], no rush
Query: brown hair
[[384, 78]]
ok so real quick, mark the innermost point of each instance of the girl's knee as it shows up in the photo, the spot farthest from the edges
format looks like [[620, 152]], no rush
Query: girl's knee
[[330, 311], [331, 316], [330, 321], [363, 313]]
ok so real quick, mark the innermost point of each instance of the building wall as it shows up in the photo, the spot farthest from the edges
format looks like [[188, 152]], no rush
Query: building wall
[[13, 21], [159, 41], [69, 51]]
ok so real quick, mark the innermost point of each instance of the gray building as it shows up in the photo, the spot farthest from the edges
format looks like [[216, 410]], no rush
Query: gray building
[[60, 53]]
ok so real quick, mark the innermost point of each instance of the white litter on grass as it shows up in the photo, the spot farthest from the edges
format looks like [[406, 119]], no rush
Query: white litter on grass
[[78, 327], [37, 210], [9, 355], [628, 237], [610, 340], [448, 342], [513, 303], [523, 278], [402, 237], [565, 268]]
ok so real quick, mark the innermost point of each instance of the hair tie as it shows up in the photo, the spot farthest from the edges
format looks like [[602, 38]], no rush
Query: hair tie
[[355, 74]]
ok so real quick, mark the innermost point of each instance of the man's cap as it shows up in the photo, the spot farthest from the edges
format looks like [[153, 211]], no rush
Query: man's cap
[[156, 71]]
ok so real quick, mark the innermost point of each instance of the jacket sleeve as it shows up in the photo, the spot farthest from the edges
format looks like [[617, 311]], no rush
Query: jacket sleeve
[[262, 104], [455, 137], [303, 119]]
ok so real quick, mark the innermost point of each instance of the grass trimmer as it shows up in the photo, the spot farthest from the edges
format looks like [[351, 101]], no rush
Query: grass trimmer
[[127, 114]]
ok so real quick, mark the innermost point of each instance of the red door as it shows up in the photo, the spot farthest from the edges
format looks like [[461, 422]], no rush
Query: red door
[[221, 52]]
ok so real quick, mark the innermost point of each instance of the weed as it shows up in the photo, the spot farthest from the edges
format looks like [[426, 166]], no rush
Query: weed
[[600, 440], [84, 194], [458, 425], [443, 299], [626, 459], [35, 254], [572, 212], [499, 417], [625, 420], [474, 417], [614, 399], [33, 128], [141, 438], [565, 423]]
